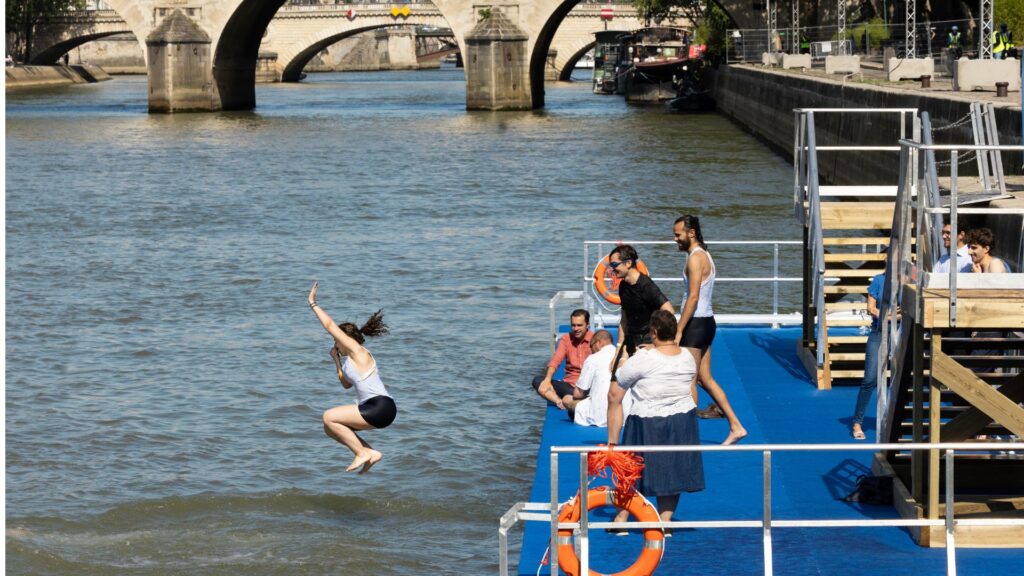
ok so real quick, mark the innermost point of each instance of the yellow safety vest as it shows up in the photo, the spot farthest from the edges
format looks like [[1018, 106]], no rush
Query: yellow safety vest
[[954, 40], [1001, 41]]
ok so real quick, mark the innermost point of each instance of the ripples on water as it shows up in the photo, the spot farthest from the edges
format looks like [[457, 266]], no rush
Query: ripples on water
[[165, 378]]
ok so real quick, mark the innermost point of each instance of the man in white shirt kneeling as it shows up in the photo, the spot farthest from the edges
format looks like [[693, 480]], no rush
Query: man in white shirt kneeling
[[589, 400]]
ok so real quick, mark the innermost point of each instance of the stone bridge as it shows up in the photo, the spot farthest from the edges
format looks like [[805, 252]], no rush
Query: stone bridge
[[202, 54]]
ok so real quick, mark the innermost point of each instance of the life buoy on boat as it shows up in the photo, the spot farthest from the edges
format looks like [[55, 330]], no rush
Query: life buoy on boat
[[638, 507], [608, 284]]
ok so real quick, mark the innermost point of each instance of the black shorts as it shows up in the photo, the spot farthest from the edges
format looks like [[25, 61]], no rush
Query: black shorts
[[632, 343], [379, 411], [561, 388], [699, 332]]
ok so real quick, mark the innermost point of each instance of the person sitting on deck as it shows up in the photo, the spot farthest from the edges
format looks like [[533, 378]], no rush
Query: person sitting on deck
[[573, 348], [590, 398], [980, 244], [963, 259]]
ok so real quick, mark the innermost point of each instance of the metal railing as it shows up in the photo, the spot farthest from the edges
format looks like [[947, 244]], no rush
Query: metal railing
[[807, 199], [549, 511], [593, 301]]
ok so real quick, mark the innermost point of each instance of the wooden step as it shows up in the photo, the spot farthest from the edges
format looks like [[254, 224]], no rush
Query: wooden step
[[862, 289], [847, 373], [846, 322], [846, 356], [852, 272], [856, 215], [846, 305], [847, 339], [845, 241], [979, 360], [855, 257]]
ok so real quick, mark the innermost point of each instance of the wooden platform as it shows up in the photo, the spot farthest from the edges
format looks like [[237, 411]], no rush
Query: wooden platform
[[969, 507], [976, 308]]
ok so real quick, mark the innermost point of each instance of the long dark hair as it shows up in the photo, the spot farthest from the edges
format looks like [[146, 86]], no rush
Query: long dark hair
[[693, 223], [375, 326]]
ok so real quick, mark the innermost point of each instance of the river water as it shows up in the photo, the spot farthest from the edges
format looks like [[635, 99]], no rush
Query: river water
[[165, 378]]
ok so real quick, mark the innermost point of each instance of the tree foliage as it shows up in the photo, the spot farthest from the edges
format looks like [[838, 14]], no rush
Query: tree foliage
[[667, 10], [24, 16], [1013, 14]]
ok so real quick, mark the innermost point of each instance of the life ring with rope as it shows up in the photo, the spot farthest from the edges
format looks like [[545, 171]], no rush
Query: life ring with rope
[[607, 284], [638, 507]]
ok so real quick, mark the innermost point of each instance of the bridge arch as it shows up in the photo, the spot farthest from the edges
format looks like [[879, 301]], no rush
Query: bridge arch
[[50, 54], [565, 64], [293, 56]]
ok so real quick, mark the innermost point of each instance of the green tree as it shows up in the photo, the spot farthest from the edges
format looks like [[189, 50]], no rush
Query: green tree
[[660, 10], [1013, 14], [24, 16]]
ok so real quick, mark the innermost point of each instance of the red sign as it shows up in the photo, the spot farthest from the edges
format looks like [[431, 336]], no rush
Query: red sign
[[607, 13]]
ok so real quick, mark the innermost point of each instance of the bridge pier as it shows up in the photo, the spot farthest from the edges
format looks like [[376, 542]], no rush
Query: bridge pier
[[180, 72], [396, 48], [497, 66]]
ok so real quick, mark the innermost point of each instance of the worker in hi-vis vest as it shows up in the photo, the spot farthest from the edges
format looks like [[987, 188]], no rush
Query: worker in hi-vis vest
[[1002, 42], [953, 43]]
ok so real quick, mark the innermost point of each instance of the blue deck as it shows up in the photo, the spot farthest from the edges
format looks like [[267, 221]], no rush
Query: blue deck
[[778, 404]]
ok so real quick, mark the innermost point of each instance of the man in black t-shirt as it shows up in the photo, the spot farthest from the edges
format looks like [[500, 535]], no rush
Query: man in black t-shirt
[[640, 297]]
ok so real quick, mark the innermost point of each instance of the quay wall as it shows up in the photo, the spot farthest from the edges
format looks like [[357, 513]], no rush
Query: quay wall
[[41, 76], [762, 102]]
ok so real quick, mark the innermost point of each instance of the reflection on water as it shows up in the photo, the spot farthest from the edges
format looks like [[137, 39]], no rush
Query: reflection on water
[[165, 379]]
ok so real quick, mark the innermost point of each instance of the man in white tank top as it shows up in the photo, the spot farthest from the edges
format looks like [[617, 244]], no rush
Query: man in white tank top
[[696, 329]]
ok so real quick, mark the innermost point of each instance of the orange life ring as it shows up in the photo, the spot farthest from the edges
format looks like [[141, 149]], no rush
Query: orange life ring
[[608, 284], [638, 507]]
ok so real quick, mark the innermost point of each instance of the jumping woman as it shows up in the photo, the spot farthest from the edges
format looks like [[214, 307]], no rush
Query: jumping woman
[[357, 368]]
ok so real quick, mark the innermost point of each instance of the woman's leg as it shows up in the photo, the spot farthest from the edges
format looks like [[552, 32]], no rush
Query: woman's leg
[[868, 384], [341, 424], [736, 430], [667, 506]]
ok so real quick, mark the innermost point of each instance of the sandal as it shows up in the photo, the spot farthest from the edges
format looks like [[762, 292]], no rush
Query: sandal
[[858, 434]]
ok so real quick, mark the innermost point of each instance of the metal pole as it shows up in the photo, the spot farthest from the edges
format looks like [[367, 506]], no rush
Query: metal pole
[[985, 29], [584, 520], [554, 514], [953, 264], [911, 29], [841, 15], [794, 41], [775, 284], [772, 24], [950, 522], [766, 528]]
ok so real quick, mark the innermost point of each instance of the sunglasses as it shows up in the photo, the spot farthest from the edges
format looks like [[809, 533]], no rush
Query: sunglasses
[[616, 263]]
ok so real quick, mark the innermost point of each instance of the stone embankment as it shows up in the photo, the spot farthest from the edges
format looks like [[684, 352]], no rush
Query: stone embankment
[[42, 76], [762, 102]]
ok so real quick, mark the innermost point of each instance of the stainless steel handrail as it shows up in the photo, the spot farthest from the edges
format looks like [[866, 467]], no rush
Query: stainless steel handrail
[[774, 279], [548, 512]]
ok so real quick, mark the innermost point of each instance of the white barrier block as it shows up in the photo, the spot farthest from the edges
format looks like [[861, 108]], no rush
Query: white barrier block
[[771, 58], [973, 74], [796, 61], [897, 69], [842, 64]]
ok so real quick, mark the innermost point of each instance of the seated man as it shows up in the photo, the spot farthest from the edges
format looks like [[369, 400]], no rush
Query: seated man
[[590, 398], [574, 348], [963, 259]]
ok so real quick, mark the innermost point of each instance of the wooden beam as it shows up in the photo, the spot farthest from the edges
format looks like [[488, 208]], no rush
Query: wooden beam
[[856, 215], [972, 421], [934, 434], [979, 393]]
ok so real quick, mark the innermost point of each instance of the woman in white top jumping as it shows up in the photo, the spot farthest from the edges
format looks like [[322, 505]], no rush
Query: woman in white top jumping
[[357, 368], [697, 327]]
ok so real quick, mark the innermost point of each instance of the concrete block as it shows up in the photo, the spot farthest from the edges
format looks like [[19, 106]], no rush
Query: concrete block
[[842, 64], [771, 58], [796, 61], [897, 69], [973, 74]]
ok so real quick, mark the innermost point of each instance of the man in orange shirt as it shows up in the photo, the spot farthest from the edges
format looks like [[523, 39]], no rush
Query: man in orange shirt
[[573, 348]]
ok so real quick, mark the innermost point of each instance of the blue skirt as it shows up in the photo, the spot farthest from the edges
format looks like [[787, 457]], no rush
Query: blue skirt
[[667, 473]]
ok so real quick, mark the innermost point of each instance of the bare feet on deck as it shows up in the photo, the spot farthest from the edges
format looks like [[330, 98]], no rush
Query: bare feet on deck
[[366, 460], [735, 436]]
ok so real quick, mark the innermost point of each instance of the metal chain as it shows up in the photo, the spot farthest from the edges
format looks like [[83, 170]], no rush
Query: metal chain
[[967, 158], [966, 118]]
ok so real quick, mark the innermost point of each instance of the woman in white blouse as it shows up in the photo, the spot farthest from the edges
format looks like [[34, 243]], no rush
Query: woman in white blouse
[[659, 380]]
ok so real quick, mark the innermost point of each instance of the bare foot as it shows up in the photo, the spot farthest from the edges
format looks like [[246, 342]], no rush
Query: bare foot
[[735, 436], [366, 460]]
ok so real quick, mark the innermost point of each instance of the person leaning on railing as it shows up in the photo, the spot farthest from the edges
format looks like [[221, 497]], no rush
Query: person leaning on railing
[[963, 258]]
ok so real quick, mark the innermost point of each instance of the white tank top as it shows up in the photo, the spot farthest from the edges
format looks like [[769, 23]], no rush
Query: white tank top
[[367, 386], [707, 286]]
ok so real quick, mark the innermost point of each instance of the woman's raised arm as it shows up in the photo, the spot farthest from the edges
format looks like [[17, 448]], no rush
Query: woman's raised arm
[[346, 344]]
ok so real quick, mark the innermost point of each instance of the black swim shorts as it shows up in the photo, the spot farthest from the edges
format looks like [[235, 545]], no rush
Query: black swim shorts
[[379, 411], [699, 332]]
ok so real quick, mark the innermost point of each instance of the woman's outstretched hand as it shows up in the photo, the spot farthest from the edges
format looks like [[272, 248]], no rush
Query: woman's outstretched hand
[[312, 293]]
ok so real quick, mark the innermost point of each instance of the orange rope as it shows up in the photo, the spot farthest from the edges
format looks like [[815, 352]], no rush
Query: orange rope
[[626, 469]]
